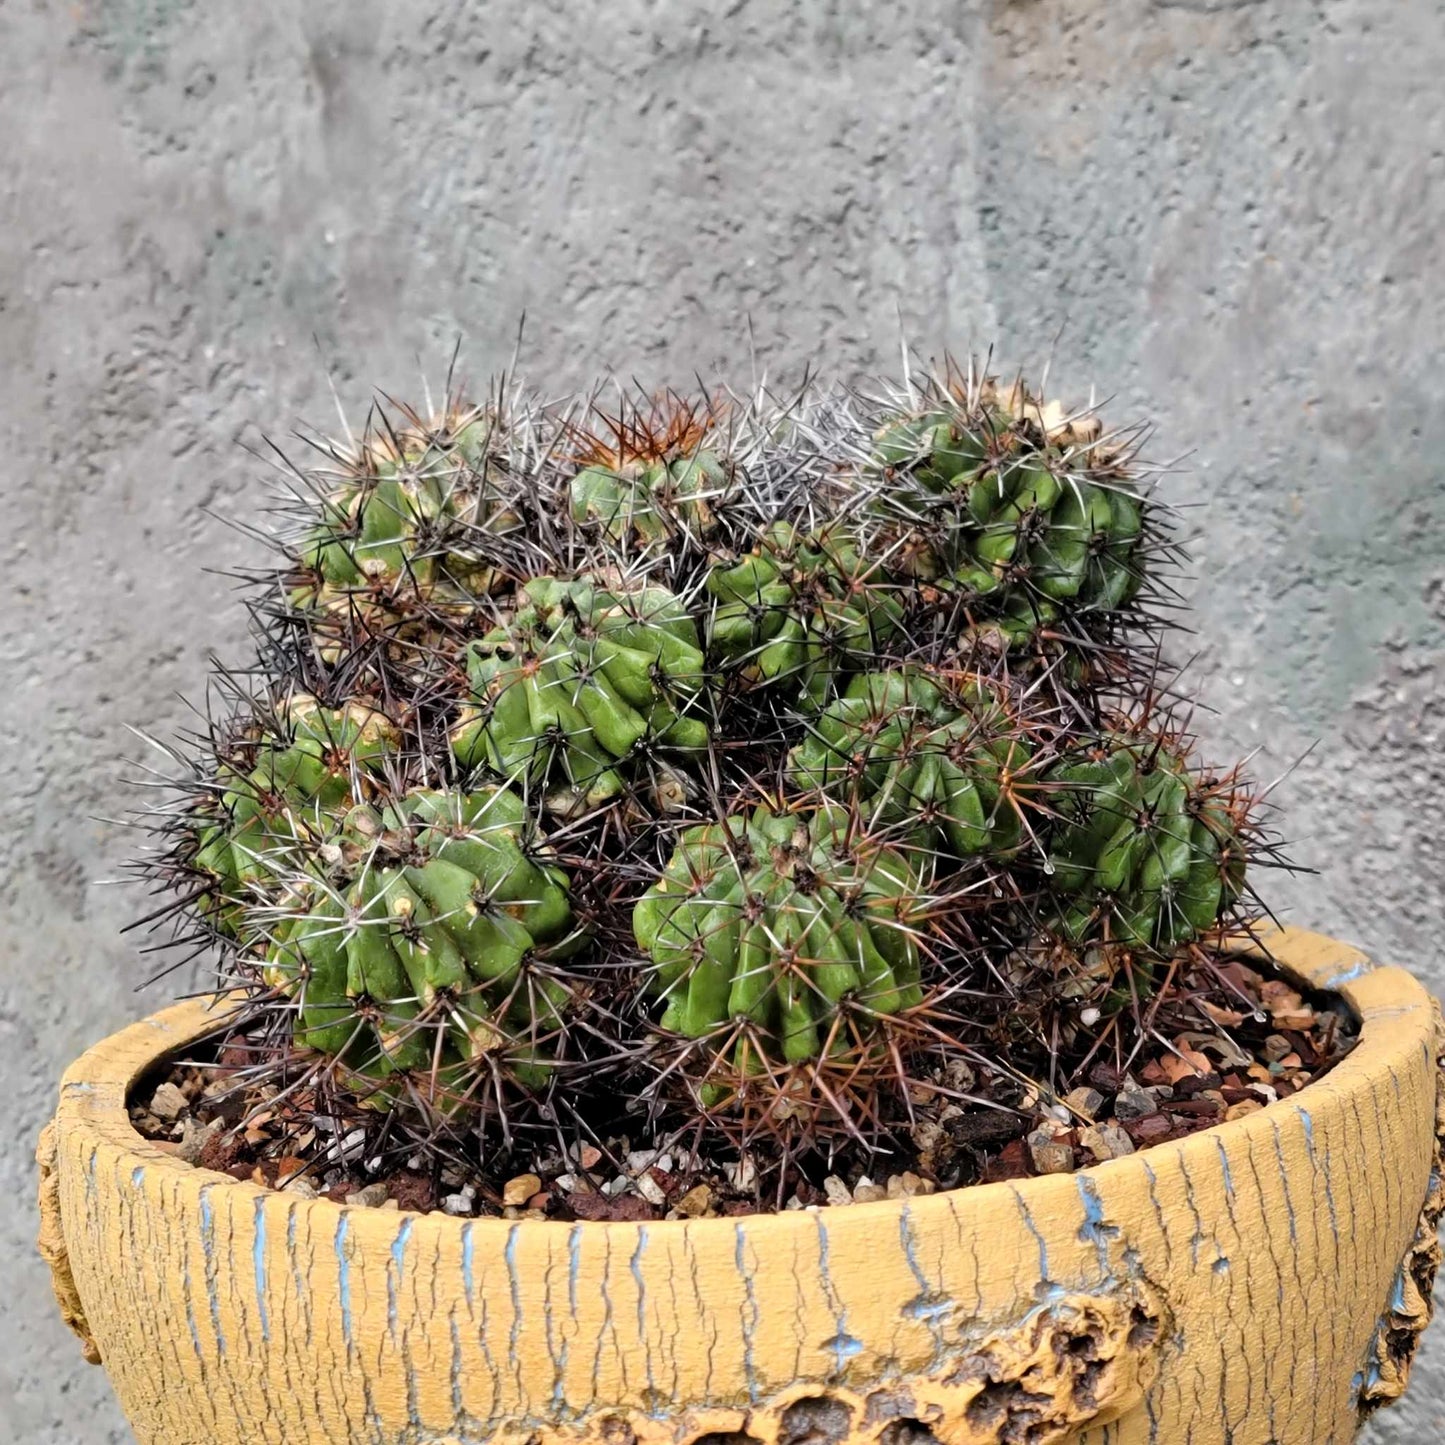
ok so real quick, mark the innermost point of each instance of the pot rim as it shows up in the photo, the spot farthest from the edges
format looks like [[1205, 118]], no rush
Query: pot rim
[[1395, 1015]]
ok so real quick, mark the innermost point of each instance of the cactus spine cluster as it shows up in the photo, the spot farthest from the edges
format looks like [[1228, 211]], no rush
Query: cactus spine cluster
[[793, 930], [1025, 513], [409, 525], [799, 609], [582, 679], [725, 758]]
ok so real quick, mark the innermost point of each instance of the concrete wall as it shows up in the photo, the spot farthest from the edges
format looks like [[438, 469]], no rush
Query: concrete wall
[[1226, 214]]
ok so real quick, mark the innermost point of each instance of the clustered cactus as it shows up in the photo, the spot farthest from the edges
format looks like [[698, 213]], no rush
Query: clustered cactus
[[753, 756]]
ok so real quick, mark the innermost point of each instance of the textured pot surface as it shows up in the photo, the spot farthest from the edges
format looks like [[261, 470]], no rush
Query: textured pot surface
[[1263, 1281]]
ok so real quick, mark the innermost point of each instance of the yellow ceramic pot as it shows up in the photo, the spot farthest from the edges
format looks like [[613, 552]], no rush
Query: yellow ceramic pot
[[1260, 1281]]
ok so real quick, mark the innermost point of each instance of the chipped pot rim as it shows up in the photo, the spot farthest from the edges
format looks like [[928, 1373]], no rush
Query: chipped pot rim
[[1396, 1022]]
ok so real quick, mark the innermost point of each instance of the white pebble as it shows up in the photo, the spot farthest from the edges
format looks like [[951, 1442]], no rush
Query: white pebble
[[650, 1189]]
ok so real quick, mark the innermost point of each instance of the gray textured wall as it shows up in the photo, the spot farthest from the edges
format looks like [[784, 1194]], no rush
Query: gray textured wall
[[1230, 213]]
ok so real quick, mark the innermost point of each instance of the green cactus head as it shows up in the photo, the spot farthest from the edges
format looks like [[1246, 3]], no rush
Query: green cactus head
[[799, 610], [946, 758], [408, 529], [425, 945], [1145, 852], [657, 473], [587, 684], [783, 940], [413, 931], [277, 791], [1020, 512]]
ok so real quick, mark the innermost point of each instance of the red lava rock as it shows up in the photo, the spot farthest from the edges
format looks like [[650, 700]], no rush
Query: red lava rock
[[233, 1057], [1106, 1077], [412, 1191], [617, 1208], [1200, 1108], [1012, 1162], [1150, 1129], [222, 1152]]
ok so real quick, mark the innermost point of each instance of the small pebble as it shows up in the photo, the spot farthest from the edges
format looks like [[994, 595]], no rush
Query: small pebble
[[1300, 1020], [457, 1204], [168, 1102], [300, 1186], [1051, 1155], [350, 1146], [1132, 1102], [520, 1189], [836, 1191], [906, 1185], [368, 1197], [1238, 1111], [868, 1193], [742, 1174], [589, 1156], [696, 1202], [1106, 1141], [1084, 1101], [193, 1139], [287, 1167], [1276, 1046], [650, 1189], [1152, 1128]]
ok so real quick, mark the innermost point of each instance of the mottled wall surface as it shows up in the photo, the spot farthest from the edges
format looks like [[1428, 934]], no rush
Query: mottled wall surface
[[1226, 215]]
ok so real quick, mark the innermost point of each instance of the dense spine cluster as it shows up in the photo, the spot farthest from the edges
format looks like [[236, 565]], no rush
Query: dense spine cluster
[[413, 525], [793, 933], [723, 747], [1027, 516], [580, 681], [800, 609]]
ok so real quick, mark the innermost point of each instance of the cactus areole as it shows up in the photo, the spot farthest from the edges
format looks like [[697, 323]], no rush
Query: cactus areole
[[675, 819]]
